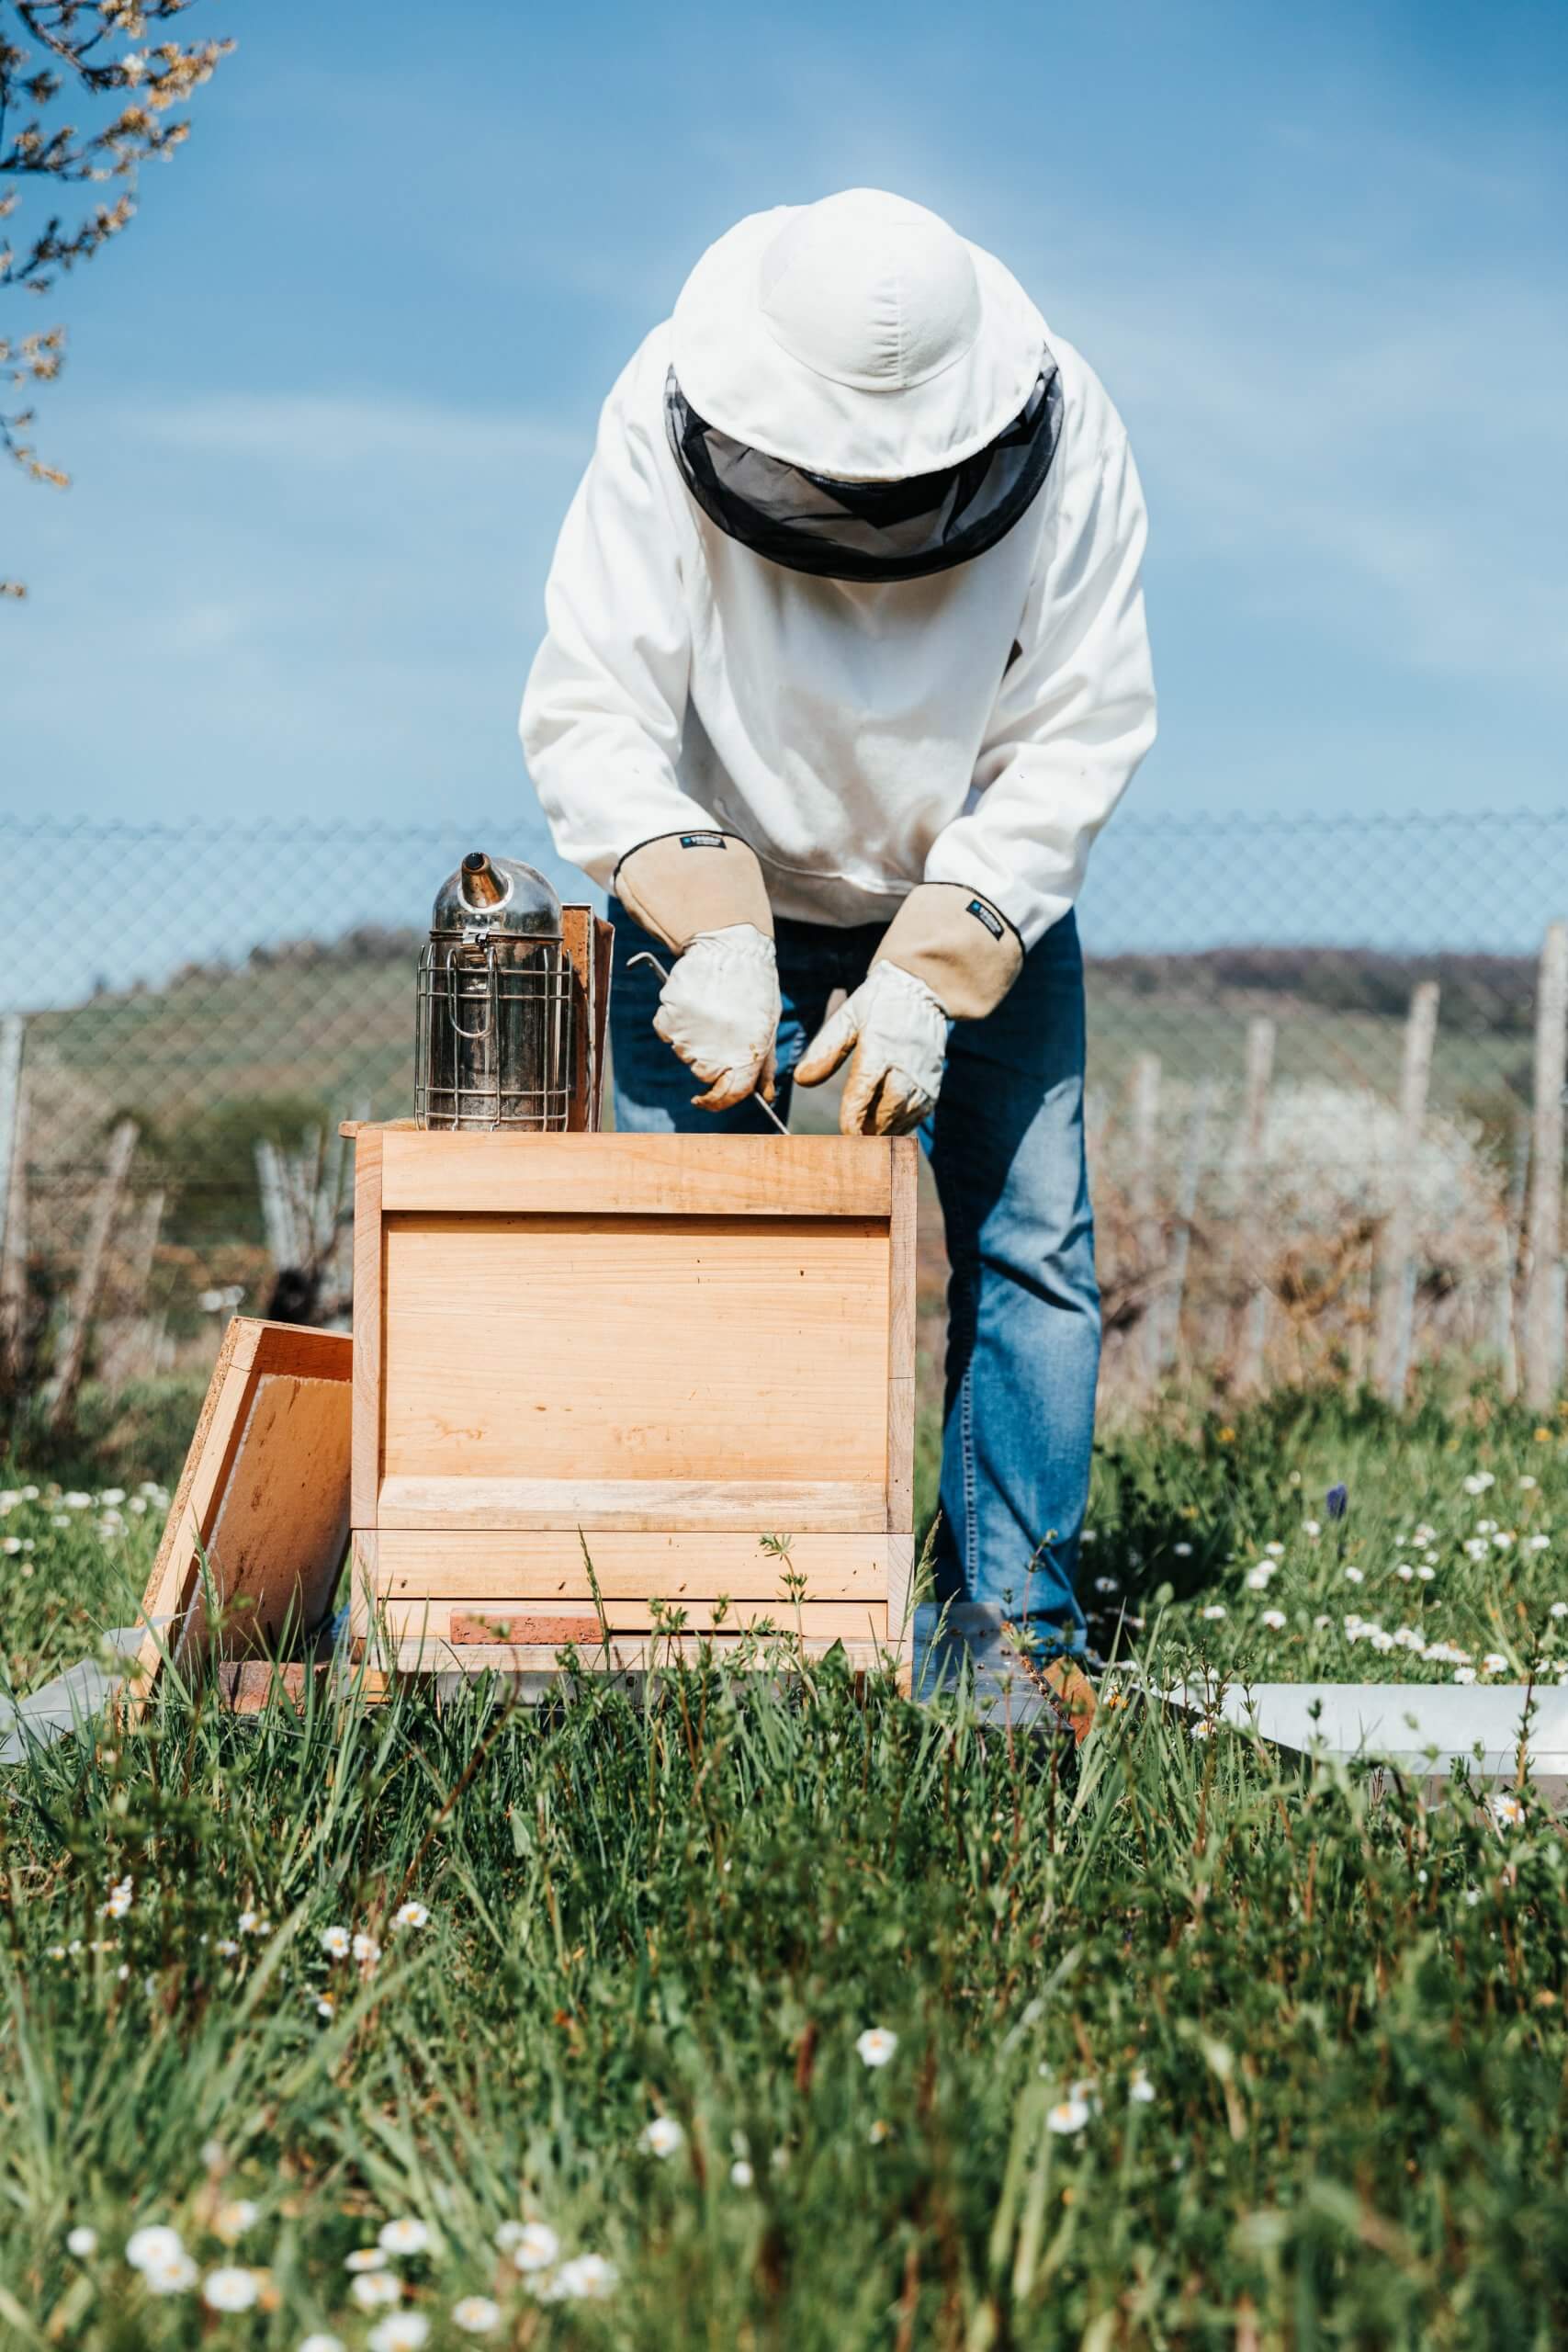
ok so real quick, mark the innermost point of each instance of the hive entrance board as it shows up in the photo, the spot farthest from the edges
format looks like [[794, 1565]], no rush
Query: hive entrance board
[[679, 1369], [264, 1493]]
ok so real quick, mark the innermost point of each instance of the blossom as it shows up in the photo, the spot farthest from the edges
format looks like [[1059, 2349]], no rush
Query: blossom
[[404, 2332], [1558, 1609], [662, 2137], [1068, 2115], [1312, 1527], [406, 2235], [1464, 1674], [533, 2245], [878, 2132], [229, 2289], [1336, 1501], [320, 2341], [364, 2257], [1203, 1729], [476, 2315], [366, 1947], [1275, 1620], [1540, 1543], [225, 1946], [1478, 1482], [82, 2242], [1353, 1575], [876, 2045], [234, 2218], [1404, 1572], [410, 1914], [1493, 1663], [1215, 1610], [740, 2174], [153, 2243], [1257, 1579], [1182, 1551], [251, 1923], [1508, 1811], [1528, 1482], [1425, 1572], [334, 1941], [374, 2289], [587, 2276], [326, 2006], [169, 2277], [1141, 2090]]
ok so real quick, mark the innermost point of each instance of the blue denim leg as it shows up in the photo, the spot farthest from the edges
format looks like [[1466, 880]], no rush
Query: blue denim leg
[[653, 1088], [1023, 1307]]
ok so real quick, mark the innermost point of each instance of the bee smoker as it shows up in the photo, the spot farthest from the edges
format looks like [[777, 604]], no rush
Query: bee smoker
[[497, 1045]]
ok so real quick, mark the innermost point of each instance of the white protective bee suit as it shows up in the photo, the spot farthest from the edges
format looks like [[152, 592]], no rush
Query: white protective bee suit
[[773, 681]]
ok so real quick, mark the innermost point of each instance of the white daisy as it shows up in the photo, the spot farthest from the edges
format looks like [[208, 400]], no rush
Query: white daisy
[[587, 2276], [230, 2290], [374, 2289], [1067, 2116], [740, 2174], [404, 2332], [334, 1941], [1507, 1811], [406, 2235], [410, 1914], [82, 2242], [876, 2045], [533, 2245], [476, 2315], [1275, 1618], [662, 2137], [233, 2218], [1141, 2090], [154, 2241]]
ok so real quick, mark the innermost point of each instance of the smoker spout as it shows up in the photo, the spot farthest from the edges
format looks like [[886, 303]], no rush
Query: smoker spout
[[482, 887]]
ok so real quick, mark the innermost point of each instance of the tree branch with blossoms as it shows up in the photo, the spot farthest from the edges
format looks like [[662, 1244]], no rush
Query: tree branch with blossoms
[[118, 65]]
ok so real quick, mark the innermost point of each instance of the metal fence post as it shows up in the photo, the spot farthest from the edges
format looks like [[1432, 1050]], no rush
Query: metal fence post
[[1396, 1294]]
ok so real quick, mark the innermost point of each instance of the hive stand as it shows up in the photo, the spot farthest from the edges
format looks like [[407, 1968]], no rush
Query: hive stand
[[679, 1369]]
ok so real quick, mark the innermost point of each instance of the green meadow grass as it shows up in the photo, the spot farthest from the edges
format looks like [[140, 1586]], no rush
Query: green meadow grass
[[1179, 2046]]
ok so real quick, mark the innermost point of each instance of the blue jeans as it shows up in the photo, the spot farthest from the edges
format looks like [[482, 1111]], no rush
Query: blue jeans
[[1007, 1149]]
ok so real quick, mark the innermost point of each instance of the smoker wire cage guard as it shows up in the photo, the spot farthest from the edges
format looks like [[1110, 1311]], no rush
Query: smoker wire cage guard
[[496, 1004]]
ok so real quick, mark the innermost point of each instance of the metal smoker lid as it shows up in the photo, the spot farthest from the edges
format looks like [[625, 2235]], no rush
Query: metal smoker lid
[[495, 894]]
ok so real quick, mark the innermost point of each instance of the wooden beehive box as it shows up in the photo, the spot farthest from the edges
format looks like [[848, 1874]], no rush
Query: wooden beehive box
[[687, 1360]]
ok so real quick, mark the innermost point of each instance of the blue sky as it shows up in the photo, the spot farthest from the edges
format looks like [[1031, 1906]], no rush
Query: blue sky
[[327, 399]]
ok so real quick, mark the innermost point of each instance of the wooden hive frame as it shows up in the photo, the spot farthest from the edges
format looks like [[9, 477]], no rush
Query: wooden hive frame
[[597, 1377]]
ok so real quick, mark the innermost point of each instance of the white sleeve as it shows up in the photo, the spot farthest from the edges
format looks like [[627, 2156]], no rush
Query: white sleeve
[[605, 702], [1075, 712]]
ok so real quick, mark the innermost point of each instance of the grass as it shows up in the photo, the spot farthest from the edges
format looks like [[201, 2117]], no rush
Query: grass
[[1186, 2048]]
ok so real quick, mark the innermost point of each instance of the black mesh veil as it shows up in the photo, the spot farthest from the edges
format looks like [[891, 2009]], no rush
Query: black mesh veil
[[879, 530]]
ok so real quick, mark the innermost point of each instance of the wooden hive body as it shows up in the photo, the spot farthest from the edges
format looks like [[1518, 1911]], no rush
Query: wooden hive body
[[680, 1369]]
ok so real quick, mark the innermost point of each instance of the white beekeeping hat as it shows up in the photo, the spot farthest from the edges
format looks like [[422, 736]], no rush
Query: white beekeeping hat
[[860, 338]]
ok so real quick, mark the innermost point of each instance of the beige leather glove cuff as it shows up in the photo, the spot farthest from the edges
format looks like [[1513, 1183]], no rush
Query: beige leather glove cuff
[[683, 884], [965, 951]]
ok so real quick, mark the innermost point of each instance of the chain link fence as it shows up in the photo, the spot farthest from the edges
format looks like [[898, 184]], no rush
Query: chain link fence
[[187, 1012]]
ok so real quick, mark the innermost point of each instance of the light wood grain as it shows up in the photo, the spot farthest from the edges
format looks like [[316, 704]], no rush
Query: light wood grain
[[616, 1175], [265, 1492], [702, 1349], [405, 1619], [577, 938], [368, 1277], [482, 1566], [787, 1506], [626, 1654], [905, 1176]]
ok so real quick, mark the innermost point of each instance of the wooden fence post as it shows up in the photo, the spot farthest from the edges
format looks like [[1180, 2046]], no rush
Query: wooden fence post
[[62, 1389], [1252, 1223], [1185, 1212], [1147, 1226], [1543, 1294], [12, 1198], [1396, 1292]]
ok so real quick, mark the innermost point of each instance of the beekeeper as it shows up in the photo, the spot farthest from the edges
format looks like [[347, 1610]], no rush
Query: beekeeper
[[845, 667]]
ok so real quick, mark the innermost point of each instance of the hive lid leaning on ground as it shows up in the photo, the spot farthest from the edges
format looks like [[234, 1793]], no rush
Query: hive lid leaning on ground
[[263, 1497], [1422, 1729]]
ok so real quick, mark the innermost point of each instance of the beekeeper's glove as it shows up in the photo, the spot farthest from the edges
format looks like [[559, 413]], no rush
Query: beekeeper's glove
[[703, 894], [897, 1033], [719, 1009], [947, 954]]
